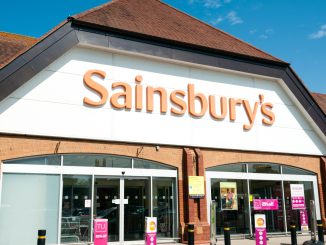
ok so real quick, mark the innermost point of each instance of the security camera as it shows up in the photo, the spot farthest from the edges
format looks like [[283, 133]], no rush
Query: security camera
[[123, 172]]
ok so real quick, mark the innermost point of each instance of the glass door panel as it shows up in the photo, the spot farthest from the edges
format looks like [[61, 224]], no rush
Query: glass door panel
[[262, 189], [76, 209], [294, 215], [232, 205], [137, 191], [106, 204], [164, 206]]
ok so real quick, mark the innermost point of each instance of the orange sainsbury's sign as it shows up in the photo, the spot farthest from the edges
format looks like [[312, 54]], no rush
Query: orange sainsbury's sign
[[181, 101]]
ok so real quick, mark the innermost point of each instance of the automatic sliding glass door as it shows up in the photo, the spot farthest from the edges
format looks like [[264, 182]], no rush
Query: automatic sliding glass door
[[76, 209], [106, 204], [137, 192]]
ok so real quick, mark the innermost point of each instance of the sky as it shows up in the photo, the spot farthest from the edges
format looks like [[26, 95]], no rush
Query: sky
[[291, 30]]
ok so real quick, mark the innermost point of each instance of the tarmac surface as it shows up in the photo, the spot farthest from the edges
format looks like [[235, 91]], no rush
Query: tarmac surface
[[277, 240]]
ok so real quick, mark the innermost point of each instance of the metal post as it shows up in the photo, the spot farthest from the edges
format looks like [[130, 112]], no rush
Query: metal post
[[313, 220], [191, 234], [213, 223], [227, 236], [320, 231], [41, 237], [293, 233]]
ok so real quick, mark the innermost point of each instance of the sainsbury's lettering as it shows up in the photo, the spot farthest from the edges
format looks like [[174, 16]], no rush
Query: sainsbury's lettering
[[196, 103]]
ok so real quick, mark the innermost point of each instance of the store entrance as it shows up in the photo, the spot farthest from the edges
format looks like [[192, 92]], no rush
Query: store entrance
[[125, 203]]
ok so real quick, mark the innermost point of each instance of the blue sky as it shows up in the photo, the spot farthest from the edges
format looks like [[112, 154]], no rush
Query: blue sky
[[292, 30]]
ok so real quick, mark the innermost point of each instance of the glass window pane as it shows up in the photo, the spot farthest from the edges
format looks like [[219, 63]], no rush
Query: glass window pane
[[266, 168], [294, 215], [137, 192], [106, 192], [164, 206], [140, 163], [97, 161], [234, 211], [44, 160], [262, 189], [29, 202], [76, 209], [238, 167], [293, 170]]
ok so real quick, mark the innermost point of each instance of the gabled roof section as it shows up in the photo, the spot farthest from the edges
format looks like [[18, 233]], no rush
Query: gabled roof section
[[12, 45], [321, 100], [153, 18]]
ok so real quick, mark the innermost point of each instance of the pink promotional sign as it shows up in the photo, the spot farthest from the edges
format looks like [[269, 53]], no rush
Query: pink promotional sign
[[150, 230], [261, 238], [265, 204], [298, 202], [297, 196], [150, 238], [100, 231], [260, 229], [304, 220]]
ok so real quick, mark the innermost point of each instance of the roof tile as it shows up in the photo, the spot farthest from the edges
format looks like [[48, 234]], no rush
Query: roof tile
[[157, 19], [12, 45], [321, 100]]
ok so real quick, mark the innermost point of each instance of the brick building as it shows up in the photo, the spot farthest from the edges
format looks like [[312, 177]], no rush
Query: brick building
[[111, 112]]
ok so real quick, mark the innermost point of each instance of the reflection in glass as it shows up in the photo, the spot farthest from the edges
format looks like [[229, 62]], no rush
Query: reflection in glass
[[89, 160], [294, 215], [237, 218], [141, 163], [137, 192], [262, 189], [40, 160], [237, 167], [76, 218], [29, 202], [297, 171], [266, 168], [164, 206], [106, 191]]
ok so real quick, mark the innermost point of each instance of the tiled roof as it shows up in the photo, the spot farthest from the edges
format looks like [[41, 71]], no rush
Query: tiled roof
[[321, 100], [12, 45], [156, 19]]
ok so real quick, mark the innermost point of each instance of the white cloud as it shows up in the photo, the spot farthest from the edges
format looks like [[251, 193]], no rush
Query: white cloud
[[252, 32], [269, 31], [212, 3], [319, 34], [233, 18], [217, 21]]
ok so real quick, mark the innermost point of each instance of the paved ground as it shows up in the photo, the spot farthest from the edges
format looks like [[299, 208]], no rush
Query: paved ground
[[279, 240]]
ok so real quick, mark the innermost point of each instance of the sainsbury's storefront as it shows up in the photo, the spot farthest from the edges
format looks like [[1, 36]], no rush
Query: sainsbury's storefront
[[97, 123]]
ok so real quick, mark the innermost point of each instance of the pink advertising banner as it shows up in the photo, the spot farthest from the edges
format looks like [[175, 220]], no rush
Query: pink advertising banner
[[150, 238], [265, 204], [260, 234], [100, 231], [304, 220], [297, 196], [260, 229]]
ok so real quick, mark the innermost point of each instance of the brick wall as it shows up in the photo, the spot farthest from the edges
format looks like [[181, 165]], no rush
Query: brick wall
[[187, 161]]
